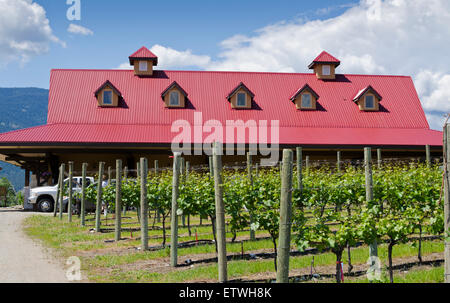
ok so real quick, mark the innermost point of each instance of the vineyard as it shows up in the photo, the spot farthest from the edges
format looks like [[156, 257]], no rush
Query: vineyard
[[332, 215]]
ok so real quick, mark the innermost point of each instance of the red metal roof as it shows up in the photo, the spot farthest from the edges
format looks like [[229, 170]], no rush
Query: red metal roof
[[74, 116], [324, 57], [143, 53], [140, 134]]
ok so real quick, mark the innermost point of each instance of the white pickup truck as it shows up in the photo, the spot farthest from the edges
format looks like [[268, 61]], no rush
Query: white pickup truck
[[44, 197]]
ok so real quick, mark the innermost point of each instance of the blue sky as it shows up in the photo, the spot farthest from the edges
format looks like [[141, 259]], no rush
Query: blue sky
[[398, 37], [121, 27]]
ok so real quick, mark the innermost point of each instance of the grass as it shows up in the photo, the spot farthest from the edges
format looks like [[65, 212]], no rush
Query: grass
[[102, 263]]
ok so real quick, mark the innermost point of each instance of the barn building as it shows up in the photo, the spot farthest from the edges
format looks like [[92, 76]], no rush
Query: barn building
[[103, 115]]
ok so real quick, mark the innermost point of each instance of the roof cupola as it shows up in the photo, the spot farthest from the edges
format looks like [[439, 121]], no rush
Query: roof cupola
[[143, 61], [324, 66]]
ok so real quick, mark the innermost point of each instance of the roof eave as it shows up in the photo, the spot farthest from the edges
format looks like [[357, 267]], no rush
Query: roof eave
[[312, 64]]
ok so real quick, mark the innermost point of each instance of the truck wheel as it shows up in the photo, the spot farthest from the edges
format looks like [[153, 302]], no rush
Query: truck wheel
[[45, 205]]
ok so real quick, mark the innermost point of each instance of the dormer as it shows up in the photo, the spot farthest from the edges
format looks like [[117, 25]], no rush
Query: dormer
[[108, 95], [174, 96], [143, 61], [324, 66], [241, 97], [305, 98], [368, 99]]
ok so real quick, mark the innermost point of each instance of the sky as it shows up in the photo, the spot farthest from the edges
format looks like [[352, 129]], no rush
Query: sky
[[398, 37]]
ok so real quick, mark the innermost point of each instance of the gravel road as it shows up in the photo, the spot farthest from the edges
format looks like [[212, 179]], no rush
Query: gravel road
[[23, 260]]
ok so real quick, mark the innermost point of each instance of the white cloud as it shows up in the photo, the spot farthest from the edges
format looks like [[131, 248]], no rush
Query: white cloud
[[400, 37], [24, 31], [434, 89], [169, 58], [79, 30]]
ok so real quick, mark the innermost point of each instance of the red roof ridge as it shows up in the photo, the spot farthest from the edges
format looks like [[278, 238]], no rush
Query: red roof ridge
[[143, 53], [208, 71]]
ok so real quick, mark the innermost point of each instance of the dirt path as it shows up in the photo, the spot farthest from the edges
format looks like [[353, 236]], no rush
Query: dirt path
[[22, 260]]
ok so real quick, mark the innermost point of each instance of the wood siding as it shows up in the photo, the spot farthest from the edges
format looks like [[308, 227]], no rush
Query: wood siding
[[233, 100], [362, 103], [148, 72], [298, 101], [318, 71], [167, 98], [115, 98]]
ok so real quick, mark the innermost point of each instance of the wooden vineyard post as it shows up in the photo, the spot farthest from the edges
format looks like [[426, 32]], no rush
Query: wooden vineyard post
[[156, 163], [69, 203], [373, 249], [118, 207], [257, 170], [307, 164], [174, 216], [182, 166], [125, 176], [446, 202], [379, 159], [144, 205], [338, 162], [220, 214], [98, 209], [299, 162], [186, 176], [183, 178], [284, 240], [156, 169], [138, 174], [61, 190], [58, 193], [83, 194], [250, 177], [428, 155], [211, 171], [109, 175]]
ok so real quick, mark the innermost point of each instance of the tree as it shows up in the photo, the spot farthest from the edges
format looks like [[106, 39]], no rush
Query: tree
[[11, 198]]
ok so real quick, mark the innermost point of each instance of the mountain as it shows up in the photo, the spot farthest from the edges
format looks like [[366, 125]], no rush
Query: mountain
[[21, 108]]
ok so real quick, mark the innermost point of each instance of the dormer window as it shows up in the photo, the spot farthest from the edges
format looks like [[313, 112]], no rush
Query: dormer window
[[174, 96], [324, 66], [108, 95], [368, 99], [241, 97], [143, 61], [143, 66], [305, 98]]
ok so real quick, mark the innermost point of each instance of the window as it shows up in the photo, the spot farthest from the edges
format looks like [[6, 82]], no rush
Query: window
[[174, 99], [306, 101], [369, 102], [107, 97], [326, 70], [241, 99], [143, 66]]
